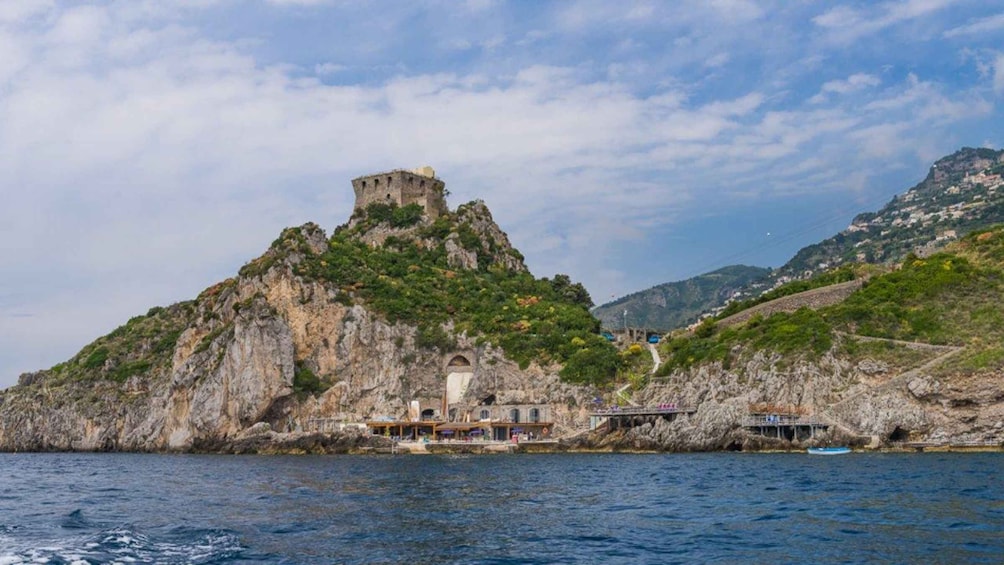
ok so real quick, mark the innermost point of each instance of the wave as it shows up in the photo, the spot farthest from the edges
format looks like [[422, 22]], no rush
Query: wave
[[122, 545]]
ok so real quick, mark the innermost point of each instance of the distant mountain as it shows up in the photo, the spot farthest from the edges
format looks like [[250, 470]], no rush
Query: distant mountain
[[676, 304], [962, 192]]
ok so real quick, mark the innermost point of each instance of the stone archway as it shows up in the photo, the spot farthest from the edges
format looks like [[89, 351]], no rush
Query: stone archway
[[459, 373], [459, 363]]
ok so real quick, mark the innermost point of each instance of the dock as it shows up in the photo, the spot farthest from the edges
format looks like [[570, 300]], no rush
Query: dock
[[791, 427], [633, 416]]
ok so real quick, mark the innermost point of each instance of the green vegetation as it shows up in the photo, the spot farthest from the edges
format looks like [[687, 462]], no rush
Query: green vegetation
[[880, 238], [950, 298], [925, 300], [410, 281], [896, 356], [390, 214], [801, 332], [305, 382], [141, 346], [843, 274]]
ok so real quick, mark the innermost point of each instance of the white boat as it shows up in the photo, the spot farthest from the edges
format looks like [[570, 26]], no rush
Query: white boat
[[829, 450]]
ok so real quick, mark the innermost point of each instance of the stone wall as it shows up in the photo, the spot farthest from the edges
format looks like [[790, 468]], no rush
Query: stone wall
[[814, 299], [402, 188]]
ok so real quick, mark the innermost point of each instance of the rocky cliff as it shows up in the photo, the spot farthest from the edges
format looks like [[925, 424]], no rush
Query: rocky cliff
[[316, 332], [911, 357]]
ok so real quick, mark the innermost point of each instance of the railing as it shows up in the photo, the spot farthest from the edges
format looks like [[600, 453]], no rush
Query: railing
[[761, 421], [642, 410]]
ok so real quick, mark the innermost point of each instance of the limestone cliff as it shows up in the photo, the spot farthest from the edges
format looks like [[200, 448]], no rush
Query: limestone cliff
[[912, 357], [308, 335]]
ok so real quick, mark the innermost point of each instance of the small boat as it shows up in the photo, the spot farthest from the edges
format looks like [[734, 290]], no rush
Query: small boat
[[829, 450]]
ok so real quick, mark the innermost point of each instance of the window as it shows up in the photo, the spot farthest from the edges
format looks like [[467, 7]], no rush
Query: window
[[514, 415], [534, 415], [485, 414]]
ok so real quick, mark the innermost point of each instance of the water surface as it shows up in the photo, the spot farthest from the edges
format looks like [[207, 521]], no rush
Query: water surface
[[567, 508]]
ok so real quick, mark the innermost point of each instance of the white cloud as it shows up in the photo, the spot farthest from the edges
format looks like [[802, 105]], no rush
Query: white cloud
[[15, 11], [853, 83], [717, 60], [845, 24], [145, 160], [300, 2], [980, 26]]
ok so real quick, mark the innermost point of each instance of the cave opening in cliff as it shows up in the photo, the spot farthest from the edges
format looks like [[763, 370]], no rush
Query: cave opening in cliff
[[488, 400], [459, 361], [428, 414], [899, 434]]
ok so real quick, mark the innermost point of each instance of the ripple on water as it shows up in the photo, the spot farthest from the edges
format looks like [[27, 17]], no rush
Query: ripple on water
[[73, 508]]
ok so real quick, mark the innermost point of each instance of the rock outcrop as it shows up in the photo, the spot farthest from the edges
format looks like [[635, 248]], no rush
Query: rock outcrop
[[274, 350]]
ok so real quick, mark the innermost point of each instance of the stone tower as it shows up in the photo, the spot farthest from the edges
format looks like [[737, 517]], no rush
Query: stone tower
[[419, 186]]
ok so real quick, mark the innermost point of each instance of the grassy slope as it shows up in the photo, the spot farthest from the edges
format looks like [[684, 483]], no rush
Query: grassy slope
[[407, 280], [951, 298]]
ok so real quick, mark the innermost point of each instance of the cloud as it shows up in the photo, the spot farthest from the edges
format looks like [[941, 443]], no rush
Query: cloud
[[853, 83], [300, 2], [16, 11], [145, 158], [845, 24], [980, 26]]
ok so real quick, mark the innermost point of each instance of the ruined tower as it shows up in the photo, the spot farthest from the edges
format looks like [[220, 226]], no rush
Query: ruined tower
[[419, 186]]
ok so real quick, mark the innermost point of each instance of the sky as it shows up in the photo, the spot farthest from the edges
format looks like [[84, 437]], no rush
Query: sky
[[150, 148]]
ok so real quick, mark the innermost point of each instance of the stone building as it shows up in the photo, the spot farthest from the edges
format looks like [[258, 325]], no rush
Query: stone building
[[419, 186]]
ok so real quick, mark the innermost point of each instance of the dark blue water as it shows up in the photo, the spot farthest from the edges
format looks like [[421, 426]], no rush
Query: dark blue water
[[726, 508]]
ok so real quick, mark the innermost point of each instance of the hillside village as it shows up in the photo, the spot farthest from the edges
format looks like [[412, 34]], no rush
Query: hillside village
[[962, 191]]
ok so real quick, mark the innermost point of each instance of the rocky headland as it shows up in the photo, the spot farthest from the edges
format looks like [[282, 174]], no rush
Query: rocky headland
[[374, 321]]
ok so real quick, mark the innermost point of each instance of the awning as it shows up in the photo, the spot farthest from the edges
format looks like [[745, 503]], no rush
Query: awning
[[447, 432], [459, 426]]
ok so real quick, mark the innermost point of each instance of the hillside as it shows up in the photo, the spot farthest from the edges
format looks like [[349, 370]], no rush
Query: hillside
[[962, 192], [363, 324], [676, 304], [916, 354]]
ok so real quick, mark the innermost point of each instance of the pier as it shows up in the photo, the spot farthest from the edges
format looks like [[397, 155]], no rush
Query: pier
[[791, 427], [632, 416]]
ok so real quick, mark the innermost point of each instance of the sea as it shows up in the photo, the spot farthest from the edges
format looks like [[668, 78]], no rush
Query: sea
[[518, 508]]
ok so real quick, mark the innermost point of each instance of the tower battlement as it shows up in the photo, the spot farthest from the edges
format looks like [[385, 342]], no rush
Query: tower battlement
[[402, 187]]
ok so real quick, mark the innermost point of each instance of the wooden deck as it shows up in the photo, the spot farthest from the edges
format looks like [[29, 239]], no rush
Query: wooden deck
[[632, 416], [785, 426]]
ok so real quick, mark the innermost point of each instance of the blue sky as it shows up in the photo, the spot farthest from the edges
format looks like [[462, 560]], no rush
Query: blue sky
[[149, 148]]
